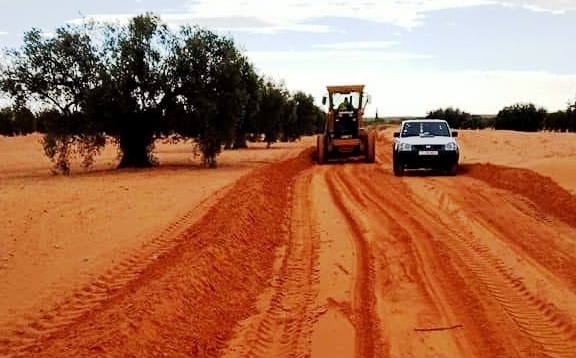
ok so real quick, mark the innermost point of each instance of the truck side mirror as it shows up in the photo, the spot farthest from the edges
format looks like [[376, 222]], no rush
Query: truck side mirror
[[396, 134], [324, 100], [368, 99], [454, 134]]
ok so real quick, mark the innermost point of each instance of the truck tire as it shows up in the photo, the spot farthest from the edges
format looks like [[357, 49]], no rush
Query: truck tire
[[397, 168], [320, 149], [452, 170]]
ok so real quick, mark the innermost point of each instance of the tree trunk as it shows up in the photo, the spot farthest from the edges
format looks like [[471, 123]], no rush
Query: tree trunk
[[240, 141], [136, 151]]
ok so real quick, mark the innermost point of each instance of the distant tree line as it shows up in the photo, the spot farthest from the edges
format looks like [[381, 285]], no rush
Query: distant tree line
[[459, 119], [140, 82], [525, 117], [14, 122]]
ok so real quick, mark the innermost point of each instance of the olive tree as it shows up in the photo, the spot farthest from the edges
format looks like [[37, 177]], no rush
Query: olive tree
[[130, 102], [525, 117], [58, 73], [141, 81], [455, 117], [274, 98], [212, 84]]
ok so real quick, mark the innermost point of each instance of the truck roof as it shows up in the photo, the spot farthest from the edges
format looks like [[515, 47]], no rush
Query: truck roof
[[424, 120]]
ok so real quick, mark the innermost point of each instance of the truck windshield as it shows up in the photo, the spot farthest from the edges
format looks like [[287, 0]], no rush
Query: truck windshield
[[425, 129]]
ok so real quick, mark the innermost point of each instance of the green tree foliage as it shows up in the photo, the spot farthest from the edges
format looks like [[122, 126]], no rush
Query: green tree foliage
[[7, 125], [308, 116], [455, 117], [289, 121], [214, 84], [558, 121], [561, 121], [24, 121], [129, 99], [58, 72], [273, 101], [521, 117], [17, 121], [571, 114], [140, 82], [286, 117], [246, 120], [46, 119]]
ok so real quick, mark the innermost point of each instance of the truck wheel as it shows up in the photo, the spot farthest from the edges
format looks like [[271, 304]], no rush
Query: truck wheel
[[398, 168], [370, 147], [320, 149], [453, 170]]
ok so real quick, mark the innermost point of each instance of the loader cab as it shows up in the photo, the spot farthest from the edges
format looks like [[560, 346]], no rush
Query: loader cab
[[345, 111], [344, 133]]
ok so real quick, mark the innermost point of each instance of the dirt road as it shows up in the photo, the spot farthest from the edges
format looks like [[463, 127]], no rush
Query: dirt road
[[343, 260]]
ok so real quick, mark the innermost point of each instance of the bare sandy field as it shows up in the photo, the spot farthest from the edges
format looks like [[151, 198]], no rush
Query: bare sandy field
[[550, 154], [60, 233], [273, 256]]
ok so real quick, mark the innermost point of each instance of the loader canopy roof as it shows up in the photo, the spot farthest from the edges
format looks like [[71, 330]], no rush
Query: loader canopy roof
[[345, 89]]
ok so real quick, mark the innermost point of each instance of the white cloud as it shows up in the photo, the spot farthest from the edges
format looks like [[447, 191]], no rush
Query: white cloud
[[489, 91], [270, 17], [330, 58], [271, 29], [400, 83], [265, 16], [3, 33], [408, 13], [114, 18], [218, 23], [358, 45], [553, 6], [399, 88]]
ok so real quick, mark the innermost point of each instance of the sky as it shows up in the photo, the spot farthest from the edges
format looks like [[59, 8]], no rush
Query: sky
[[413, 55]]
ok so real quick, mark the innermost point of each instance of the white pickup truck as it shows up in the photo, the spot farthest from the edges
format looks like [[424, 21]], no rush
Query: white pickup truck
[[425, 144]]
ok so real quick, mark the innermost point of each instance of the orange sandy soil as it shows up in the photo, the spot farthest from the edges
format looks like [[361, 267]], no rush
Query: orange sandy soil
[[273, 256]]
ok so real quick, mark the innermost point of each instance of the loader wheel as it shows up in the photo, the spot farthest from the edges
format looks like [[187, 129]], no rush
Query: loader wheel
[[320, 149], [370, 147]]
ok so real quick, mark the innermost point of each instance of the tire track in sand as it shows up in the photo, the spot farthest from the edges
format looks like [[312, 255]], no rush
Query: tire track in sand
[[409, 297], [553, 333], [284, 329], [20, 336], [337, 261], [369, 343], [188, 301], [538, 233], [550, 334]]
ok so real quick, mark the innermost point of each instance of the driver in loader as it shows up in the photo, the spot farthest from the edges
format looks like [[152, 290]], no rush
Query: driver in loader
[[345, 105]]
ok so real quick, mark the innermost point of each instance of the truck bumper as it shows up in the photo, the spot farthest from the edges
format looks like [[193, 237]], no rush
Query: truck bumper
[[414, 160]]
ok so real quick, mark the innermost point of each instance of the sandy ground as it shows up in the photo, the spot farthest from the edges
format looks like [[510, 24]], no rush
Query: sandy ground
[[273, 256], [61, 233], [550, 154]]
